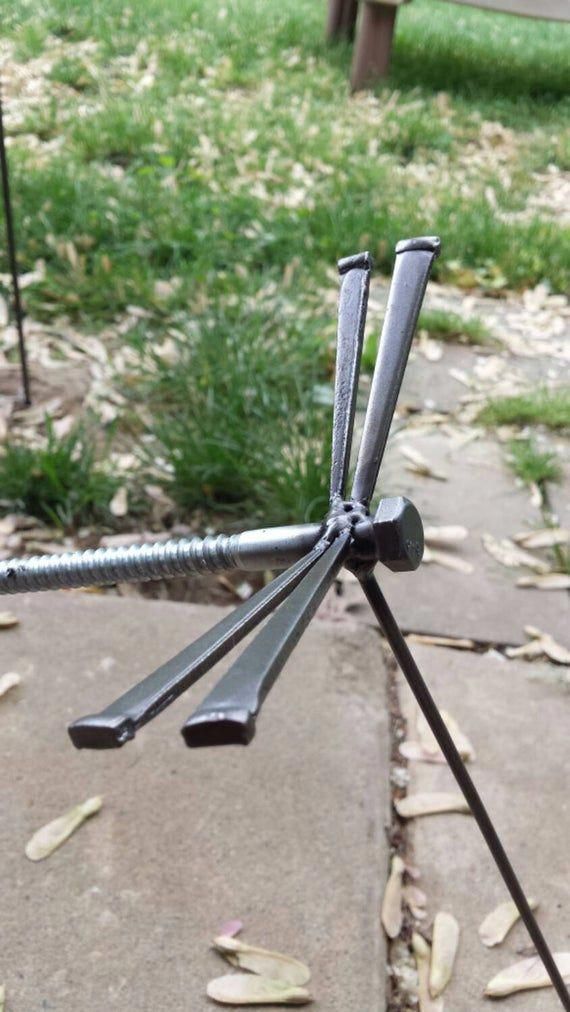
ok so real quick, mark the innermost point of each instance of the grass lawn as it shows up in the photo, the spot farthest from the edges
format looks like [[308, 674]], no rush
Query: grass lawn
[[206, 163]]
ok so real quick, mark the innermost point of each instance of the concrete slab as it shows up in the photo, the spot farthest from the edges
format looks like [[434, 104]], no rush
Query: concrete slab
[[482, 496], [287, 835], [516, 715], [429, 386]]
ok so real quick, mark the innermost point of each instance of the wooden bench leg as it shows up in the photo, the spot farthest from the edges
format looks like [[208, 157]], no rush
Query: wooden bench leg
[[374, 44], [341, 20]]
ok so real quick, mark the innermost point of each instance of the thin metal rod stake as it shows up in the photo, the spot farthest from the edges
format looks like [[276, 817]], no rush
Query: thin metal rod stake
[[430, 711], [13, 261]]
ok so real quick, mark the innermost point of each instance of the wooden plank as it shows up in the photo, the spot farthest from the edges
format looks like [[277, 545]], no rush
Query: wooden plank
[[548, 10], [373, 48]]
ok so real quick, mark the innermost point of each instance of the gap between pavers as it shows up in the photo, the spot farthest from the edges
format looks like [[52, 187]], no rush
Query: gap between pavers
[[288, 835], [516, 715]]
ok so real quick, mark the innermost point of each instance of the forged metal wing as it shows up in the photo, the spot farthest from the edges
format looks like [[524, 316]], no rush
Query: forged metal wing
[[119, 722], [227, 716], [414, 258], [352, 306]]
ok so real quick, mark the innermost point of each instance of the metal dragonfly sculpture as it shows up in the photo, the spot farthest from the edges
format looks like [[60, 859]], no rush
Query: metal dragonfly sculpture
[[314, 554]]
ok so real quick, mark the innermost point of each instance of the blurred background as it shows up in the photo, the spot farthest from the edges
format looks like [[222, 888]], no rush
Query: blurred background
[[185, 176]]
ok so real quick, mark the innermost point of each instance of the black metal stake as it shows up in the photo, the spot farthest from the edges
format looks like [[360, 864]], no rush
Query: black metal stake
[[13, 262], [430, 711]]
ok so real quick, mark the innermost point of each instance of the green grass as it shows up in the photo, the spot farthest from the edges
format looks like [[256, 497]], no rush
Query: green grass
[[446, 326], [443, 326], [59, 483], [244, 147], [238, 428], [216, 148], [74, 73], [550, 408], [533, 466]]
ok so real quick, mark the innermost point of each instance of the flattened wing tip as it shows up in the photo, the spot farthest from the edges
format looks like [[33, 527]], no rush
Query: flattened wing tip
[[430, 243], [362, 260]]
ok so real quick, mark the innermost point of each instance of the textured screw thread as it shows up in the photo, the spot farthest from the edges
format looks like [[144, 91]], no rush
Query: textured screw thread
[[118, 565]]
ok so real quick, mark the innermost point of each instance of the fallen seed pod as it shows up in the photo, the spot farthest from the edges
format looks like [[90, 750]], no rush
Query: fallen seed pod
[[50, 837], [496, 926], [245, 989], [445, 941], [392, 916], [526, 975], [508, 554], [460, 740], [7, 620], [8, 681], [422, 955], [274, 965], [550, 581], [430, 803]]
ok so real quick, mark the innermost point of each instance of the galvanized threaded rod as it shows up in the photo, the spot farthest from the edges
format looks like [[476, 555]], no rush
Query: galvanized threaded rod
[[267, 548]]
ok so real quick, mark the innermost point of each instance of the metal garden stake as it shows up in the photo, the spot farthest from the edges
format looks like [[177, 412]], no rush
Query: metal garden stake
[[13, 261], [348, 536]]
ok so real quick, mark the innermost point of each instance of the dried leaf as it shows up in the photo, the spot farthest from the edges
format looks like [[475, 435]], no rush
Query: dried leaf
[[430, 349], [445, 940], [496, 926], [555, 651], [50, 837], [547, 537], [447, 559], [414, 751], [528, 651], [231, 928], [540, 644], [460, 740], [430, 803], [508, 554], [262, 961], [550, 581], [244, 989], [8, 524], [420, 465], [392, 903], [442, 641], [442, 536], [119, 505], [7, 620], [422, 955], [8, 681], [526, 975]]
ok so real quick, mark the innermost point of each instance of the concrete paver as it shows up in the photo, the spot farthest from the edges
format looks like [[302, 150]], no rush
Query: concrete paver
[[288, 835], [516, 716], [482, 496]]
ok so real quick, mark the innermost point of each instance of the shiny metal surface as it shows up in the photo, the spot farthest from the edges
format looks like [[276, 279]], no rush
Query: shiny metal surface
[[228, 714], [413, 263], [352, 305], [267, 548], [118, 723]]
